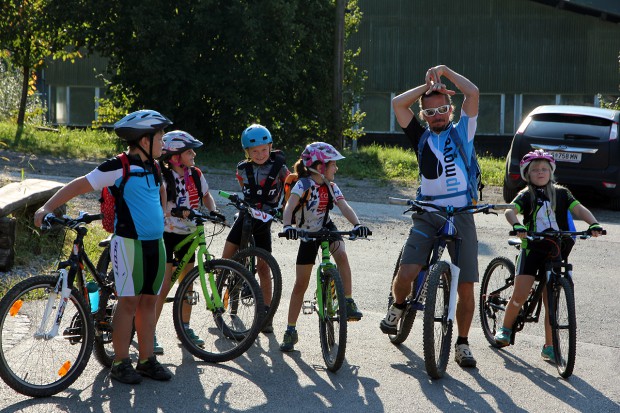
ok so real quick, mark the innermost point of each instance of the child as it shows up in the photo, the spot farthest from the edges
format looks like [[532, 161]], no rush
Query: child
[[544, 205], [186, 187], [316, 170], [137, 248], [261, 177]]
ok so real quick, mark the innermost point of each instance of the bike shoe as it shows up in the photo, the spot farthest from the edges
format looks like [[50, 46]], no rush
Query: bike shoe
[[290, 339], [157, 349], [353, 314], [547, 354], [125, 373], [463, 356], [192, 336], [153, 369], [389, 325], [502, 338], [268, 327]]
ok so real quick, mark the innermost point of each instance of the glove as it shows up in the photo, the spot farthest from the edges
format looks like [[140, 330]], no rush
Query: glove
[[216, 214], [291, 233], [361, 231], [595, 226], [519, 228]]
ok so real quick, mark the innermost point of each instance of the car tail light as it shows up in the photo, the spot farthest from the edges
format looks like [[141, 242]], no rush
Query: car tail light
[[524, 125], [613, 133], [609, 185]]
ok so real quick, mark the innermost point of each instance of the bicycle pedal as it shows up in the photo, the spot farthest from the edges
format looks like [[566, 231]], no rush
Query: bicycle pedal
[[307, 307]]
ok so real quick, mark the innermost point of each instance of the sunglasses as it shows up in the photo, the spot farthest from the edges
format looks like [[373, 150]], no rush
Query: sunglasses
[[432, 111]]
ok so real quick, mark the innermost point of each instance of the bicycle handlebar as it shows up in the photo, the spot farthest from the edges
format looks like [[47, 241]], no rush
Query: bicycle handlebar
[[243, 205], [198, 216], [323, 234], [418, 207], [66, 221], [536, 236]]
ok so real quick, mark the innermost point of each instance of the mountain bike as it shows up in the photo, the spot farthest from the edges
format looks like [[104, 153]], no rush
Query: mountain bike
[[226, 309], [497, 288], [47, 331], [251, 256], [329, 302], [435, 289]]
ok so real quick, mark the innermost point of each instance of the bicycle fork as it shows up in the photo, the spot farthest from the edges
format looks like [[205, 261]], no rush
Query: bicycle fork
[[62, 291]]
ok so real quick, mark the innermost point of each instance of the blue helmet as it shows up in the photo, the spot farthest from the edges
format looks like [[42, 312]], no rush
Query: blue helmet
[[255, 135]]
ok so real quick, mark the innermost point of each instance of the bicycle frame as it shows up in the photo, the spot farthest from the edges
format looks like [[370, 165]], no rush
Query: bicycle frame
[[326, 263]]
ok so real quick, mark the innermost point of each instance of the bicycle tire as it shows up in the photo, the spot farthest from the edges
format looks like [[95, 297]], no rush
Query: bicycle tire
[[33, 366], [495, 292], [563, 326], [437, 328], [406, 321], [333, 324], [226, 335], [246, 258], [103, 347]]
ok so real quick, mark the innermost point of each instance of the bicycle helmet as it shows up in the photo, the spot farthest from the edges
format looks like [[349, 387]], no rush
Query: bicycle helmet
[[537, 155], [176, 142], [319, 151], [255, 135], [137, 124]]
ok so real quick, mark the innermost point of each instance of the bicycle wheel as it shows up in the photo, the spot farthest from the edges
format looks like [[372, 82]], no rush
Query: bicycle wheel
[[102, 348], [406, 321], [227, 331], [437, 334], [563, 326], [272, 292], [333, 323], [495, 291], [33, 365]]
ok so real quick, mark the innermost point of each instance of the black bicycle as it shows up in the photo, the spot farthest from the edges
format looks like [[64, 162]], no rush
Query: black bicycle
[[47, 331], [498, 284]]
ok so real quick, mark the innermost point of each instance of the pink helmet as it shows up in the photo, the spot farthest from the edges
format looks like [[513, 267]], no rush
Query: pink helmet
[[320, 151], [537, 155]]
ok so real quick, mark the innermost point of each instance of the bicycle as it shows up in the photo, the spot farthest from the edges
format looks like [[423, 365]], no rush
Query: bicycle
[[250, 255], [435, 288], [47, 331], [226, 309], [497, 287], [329, 302]]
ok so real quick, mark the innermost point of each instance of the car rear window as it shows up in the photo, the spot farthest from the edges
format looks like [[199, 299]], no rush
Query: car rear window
[[562, 126]]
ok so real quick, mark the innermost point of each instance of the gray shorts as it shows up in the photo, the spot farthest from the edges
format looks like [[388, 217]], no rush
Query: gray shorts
[[419, 245]]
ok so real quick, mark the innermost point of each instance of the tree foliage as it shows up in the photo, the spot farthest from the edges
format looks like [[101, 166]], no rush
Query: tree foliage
[[216, 66]]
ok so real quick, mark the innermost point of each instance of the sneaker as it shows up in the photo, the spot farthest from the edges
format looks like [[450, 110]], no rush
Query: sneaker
[[463, 356], [268, 327], [547, 354], [353, 314], [153, 369], [125, 373], [290, 339], [389, 325], [197, 340], [157, 349], [502, 338]]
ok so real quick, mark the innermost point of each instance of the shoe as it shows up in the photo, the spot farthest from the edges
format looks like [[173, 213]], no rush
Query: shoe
[[157, 349], [502, 338], [353, 314], [268, 327], [547, 354], [463, 356], [389, 325], [153, 369], [197, 340], [125, 373], [290, 339]]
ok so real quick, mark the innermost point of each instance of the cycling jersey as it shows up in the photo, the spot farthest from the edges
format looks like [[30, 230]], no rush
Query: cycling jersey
[[260, 175], [187, 196], [315, 205]]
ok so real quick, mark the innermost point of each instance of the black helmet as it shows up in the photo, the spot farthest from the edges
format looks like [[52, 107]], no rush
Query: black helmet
[[137, 124]]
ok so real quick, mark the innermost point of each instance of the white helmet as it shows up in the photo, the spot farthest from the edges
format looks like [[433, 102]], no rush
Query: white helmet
[[137, 124], [320, 151], [179, 141]]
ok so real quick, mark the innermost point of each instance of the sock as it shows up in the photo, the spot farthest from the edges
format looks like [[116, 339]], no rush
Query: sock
[[290, 327], [186, 325], [117, 363], [400, 306], [461, 340]]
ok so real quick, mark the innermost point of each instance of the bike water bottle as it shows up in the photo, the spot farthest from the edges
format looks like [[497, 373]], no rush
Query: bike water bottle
[[93, 296]]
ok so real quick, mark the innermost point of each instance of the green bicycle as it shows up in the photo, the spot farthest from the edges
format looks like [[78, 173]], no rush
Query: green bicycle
[[329, 303]]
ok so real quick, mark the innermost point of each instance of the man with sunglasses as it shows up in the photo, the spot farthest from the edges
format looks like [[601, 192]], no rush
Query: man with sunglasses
[[443, 176]]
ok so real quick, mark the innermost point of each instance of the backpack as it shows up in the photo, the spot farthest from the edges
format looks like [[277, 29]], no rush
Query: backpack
[[278, 161], [289, 183], [474, 173], [110, 194]]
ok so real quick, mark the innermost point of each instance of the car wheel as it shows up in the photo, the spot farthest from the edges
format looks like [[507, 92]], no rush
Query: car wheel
[[509, 193]]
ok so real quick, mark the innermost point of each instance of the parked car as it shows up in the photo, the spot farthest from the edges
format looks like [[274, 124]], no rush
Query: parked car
[[582, 139]]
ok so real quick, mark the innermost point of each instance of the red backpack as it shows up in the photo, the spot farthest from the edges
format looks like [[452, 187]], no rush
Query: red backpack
[[110, 194]]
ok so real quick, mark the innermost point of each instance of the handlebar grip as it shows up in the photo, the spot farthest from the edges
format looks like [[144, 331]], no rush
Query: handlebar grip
[[512, 233], [503, 206], [398, 201], [282, 234]]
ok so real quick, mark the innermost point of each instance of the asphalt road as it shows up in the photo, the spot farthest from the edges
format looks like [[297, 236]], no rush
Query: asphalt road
[[378, 376]]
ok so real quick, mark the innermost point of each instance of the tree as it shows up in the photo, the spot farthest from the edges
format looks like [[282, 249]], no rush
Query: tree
[[31, 33]]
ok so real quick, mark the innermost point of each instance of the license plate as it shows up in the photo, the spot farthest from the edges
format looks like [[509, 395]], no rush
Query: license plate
[[567, 156]]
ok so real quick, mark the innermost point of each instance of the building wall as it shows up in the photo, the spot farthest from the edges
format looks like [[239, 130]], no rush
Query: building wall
[[519, 53]]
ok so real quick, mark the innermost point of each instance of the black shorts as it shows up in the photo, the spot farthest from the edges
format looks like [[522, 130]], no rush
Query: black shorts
[[260, 230], [308, 249], [532, 260], [170, 241]]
